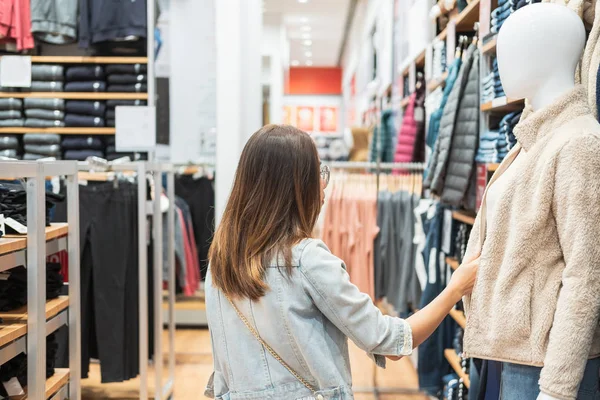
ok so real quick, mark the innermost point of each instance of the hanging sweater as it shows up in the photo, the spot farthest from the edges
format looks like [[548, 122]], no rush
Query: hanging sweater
[[535, 301], [109, 20], [410, 145], [54, 21], [15, 23]]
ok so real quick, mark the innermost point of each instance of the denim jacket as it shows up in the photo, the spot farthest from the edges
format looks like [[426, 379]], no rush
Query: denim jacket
[[306, 317]]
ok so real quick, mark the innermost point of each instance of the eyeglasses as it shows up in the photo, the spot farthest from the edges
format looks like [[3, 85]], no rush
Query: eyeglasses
[[325, 174]]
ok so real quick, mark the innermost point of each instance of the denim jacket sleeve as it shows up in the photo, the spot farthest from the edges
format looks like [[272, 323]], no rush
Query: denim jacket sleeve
[[352, 312]]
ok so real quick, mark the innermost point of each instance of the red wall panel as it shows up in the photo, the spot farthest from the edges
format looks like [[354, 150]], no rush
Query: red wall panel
[[314, 81]]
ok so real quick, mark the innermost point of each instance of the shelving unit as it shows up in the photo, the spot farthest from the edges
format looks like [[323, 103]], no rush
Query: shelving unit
[[464, 217], [459, 317], [87, 60], [490, 47], [467, 18], [24, 330], [454, 361], [435, 83], [503, 105], [75, 95], [62, 130]]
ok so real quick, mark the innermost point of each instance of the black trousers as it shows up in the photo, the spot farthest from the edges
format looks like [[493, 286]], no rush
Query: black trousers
[[200, 196]]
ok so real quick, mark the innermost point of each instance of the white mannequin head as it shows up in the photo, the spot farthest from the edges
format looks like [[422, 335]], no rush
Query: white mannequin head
[[538, 49]]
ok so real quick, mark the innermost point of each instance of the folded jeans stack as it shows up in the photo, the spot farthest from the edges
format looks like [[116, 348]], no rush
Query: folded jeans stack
[[81, 147], [86, 78], [523, 3], [44, 113], [439, 58], [41, 145], [507, 125], [10, 147], [112, 104], [13, 203], [85, 113], [127, 78], [498, 89], [501, 13], [488, 148], [11, 114], [13, 286], [487, 93], [47, 78]]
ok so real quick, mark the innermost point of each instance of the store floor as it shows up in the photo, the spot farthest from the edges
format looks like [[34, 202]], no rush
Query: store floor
[[194, 366]]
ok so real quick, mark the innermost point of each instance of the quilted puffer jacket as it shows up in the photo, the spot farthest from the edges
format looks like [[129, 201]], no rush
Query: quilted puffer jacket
[[464, 140], [410, 147], [439, 161]]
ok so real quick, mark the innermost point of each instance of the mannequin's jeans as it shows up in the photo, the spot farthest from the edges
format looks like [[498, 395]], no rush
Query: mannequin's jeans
[[520, 382]]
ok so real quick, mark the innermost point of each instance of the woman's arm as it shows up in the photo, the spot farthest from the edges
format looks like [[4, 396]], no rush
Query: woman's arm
[[425, 321]]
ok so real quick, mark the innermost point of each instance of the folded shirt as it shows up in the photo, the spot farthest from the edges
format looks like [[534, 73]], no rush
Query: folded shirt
[[82, 142], [33, 156], [41, 138], [83, 120], [111, 104], [81, 155], [49, 150], [85, 73], [10, 153], [43, 86], [86, 86], [95, 108], [43, 123], [126, 69], [110, 122], [126, 79], [11, 104], [132, 88], [9, 142], [42, 72], [110, 114], [12, 122], [46, 104], [10, 114], [44, 114]]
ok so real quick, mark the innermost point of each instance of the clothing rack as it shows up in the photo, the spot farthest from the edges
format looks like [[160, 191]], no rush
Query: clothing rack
[[374, 165], [140, 169], [41, 241]]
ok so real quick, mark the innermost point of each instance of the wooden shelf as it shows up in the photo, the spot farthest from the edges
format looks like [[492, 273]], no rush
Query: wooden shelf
[[492, 167], [490, 47], [53, 384], [53, 231], [464, 216], [452, 262], [62, 131], [465, 22], [420, 60], [75, 95], [53, 307], [8, 245], [503, 105], [442, 35], [459, 317], [435, 83], [87, 60], [454, 361]]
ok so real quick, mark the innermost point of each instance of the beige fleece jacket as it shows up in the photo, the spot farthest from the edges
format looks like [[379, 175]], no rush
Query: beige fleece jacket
[[537, 296]]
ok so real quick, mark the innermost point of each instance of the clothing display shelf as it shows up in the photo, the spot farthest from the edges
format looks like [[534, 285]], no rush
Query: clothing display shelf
[[75, 95], [454, 361], [489, 48], [467, 18], [61, 131], [24, 330], [503, 105], [374, 165], [87, 60], [94, 171], [435, 83], [466, 217], [459, 317]]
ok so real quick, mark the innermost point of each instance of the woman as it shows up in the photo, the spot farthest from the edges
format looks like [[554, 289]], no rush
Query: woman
[[280, 306]]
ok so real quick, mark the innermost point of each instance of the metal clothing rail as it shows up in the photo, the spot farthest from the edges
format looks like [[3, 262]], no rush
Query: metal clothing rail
[[35, 174], [141, 168], [375, 165]]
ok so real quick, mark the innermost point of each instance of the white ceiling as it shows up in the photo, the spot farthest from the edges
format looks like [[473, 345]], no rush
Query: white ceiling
[[326, 19]]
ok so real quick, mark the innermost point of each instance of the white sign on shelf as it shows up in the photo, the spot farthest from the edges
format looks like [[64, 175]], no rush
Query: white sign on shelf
[[135, 128], [15, 71], [2, 229], [500, 101]]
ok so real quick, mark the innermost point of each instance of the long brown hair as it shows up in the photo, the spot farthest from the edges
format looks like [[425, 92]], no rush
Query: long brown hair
[[274, 203]]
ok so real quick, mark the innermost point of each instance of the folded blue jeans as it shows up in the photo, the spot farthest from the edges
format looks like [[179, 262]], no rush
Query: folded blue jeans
[[126, 69], [83, 121], [44, 114], [86, 86], [43, 86], [46, 104], [43, 123], [85, 73], [95, 108], [10, 114], [11, 104], [9, 142], [521, 382], [128, 88], [125, 79], [49, 150], [81, 155], [82, 142], [41, 138], [41, 72]]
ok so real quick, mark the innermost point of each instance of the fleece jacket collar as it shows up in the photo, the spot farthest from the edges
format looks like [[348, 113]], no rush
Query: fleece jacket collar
[[534, 125]]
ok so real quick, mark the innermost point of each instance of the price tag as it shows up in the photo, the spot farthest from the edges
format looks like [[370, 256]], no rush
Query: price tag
[[135, 128], [15, 71], [13, 387]]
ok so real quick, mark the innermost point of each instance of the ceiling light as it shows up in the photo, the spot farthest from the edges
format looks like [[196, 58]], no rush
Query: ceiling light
[[308, 42], [306, 36], [308, 54], [302, 1], [309, 63], [295, 63], [306, 28], [304, 20]]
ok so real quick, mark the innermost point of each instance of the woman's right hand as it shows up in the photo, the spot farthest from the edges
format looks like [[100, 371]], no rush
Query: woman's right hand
[[463, 279]]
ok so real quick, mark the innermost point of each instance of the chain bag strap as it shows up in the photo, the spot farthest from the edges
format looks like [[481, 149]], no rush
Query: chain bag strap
[[270, 349]]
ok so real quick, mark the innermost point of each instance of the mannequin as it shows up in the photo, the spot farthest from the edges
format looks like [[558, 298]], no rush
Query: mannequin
[[530, 285]]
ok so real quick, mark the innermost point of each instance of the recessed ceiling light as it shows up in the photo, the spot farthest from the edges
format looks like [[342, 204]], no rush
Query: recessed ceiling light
[[309, 63], [308, 54], [302, 1], [308, 42], [306, 36], [304, 20], [295, 63], [306, 28]]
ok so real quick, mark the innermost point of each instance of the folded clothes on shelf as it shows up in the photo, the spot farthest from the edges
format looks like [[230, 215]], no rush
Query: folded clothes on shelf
[[111, 104], [11, 104], [46, 104], [43, 123], [13, 202], [124, 79], [10, 153], [41, 138], [82, 142], [17, 122], [41, 113], [9, 142], [95, 108], [85, 73], [86, 86], [126, 69], [11, 114], [43, 72], [76, 120], [44, 86], [82, 155], [47, 150], [128, 88]]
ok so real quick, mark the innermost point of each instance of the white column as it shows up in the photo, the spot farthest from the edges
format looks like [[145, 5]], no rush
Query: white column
[[239, 94]]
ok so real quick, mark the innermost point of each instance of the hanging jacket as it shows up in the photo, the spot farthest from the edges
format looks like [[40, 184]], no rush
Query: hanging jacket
[[410, 138], [15, 23], [465, 141], [439, 159], [382, 143], [102, 21], [54, 21]]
